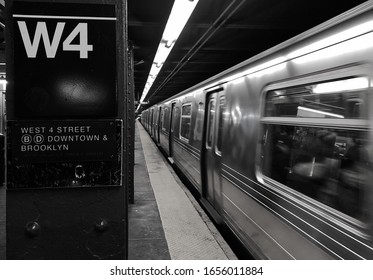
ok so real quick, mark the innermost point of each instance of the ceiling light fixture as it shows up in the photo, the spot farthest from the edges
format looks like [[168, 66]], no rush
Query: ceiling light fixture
[[180, 13]]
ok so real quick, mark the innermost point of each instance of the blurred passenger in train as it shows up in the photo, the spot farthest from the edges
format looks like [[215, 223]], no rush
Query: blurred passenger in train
[[352, 180], [326, 164]]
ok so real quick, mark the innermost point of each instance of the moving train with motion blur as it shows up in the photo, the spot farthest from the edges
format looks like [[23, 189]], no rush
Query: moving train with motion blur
[[279, 147]]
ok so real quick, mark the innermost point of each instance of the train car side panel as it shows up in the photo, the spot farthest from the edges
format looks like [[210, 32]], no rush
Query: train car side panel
[[186, 155], [291, 176]]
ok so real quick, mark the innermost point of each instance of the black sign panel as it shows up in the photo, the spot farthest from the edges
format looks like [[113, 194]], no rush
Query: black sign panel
[[64, 140], [44, 154], [65, 60]]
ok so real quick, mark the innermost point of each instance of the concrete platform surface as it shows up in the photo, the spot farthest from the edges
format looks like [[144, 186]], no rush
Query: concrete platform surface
[[189, 233]]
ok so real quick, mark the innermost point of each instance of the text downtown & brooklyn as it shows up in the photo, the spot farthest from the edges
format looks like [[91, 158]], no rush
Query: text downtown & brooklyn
[[64, 140]]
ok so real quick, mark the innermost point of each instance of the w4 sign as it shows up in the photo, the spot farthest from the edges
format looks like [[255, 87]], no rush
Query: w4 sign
[[65, 59], [52, 34], [51, 44]]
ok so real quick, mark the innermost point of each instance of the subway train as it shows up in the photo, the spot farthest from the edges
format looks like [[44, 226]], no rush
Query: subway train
[[279, 147]]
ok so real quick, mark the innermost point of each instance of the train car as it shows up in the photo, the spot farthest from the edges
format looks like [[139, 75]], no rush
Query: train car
[[2, 128], [279, 147]]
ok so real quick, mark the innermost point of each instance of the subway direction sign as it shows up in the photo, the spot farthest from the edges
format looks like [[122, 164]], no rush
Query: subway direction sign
[[64, 60], [64, 141]]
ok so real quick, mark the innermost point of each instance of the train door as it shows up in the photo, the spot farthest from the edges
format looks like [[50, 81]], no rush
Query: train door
[[159, 125], [172, 129], [155, 124], [151, 122], [213, 146]]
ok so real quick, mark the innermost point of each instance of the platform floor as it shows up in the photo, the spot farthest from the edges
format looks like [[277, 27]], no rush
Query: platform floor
[[188, 232], [164, 222]]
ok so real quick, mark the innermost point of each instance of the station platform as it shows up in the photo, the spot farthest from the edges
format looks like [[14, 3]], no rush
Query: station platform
[[164, 222]]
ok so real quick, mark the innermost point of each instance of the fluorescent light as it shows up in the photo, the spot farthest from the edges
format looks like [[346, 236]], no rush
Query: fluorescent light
[[317, 112], [180, 13], [342, 85]]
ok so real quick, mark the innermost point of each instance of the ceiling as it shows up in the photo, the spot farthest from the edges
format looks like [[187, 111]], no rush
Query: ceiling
[[219, 34]]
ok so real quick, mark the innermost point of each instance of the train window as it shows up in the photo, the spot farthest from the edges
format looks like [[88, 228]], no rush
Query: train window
[[220, 124], [2, 107], [160, 117], [210, 122], [151, 121], [337, 99], [165, 118], [329, 165], [324, 160], [198, 128], [175, 117], [186, 113]]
